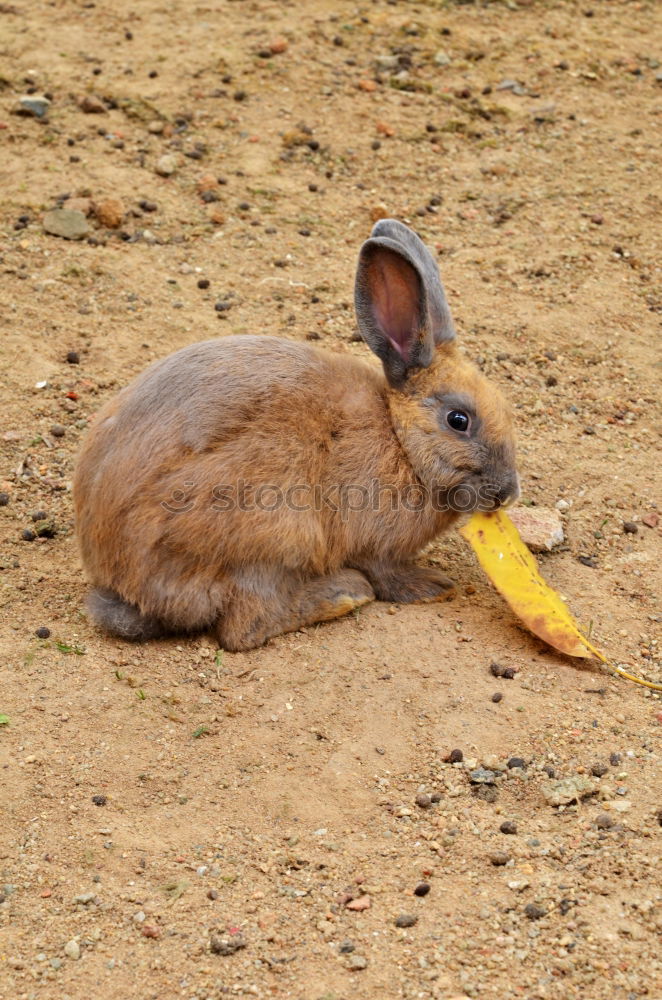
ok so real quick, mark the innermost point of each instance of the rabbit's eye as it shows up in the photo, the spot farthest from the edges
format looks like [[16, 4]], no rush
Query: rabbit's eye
[[458, 420]]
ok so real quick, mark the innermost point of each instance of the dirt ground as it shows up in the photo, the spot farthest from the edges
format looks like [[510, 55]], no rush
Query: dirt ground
[[177, 822]]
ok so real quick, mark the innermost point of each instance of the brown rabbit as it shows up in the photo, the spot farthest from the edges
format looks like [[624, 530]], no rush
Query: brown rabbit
[[255, 485]]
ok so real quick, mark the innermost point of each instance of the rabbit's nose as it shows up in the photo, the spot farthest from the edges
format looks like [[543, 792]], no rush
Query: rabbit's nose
[[509, 492]]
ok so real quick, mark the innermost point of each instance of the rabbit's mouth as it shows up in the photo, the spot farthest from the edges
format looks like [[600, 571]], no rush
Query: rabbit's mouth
[[484, 493]]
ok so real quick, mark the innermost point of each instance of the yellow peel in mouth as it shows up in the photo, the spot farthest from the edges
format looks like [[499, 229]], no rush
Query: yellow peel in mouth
[[514, 572]]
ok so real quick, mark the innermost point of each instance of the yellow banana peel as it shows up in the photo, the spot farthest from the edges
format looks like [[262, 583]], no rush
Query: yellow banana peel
[[514, 572]]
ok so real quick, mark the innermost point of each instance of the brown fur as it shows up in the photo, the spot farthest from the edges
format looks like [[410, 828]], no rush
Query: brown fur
[[269, 412]]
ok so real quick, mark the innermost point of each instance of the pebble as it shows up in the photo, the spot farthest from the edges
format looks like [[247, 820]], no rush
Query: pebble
[[167, 165], [4, 499], [481, 776], [58, 431], [499, 858], [357, 963], [67, 223], [534, 912], [92, 105], [423, 801], [109, 212], [27, 535], [226, 945], [604, 821], [346, 947], [422, 889], [508, 827], [72, 358], [99, 800], [147, 206], [72, 950], [406, 920], [560, 793], [615, 759], [456, 757], [630, 528], [517, 762], [33, 104], [540, 528], [598, 770], [42, 632], [497, 697], [562, 505], [442, 58]]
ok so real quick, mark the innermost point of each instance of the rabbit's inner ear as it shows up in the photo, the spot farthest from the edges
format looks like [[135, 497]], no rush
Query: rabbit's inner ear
[[395, 300]]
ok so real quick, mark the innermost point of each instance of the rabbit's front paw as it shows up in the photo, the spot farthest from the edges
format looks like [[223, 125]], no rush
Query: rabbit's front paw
[[407, 584]]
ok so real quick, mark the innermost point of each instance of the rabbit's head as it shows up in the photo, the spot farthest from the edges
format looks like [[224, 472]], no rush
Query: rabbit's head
[[455, 427]]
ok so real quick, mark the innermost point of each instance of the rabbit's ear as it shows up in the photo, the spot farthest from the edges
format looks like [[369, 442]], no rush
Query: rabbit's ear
[[400, 303]]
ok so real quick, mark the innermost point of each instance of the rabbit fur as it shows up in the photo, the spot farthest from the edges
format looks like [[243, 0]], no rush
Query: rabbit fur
[[353, 468]]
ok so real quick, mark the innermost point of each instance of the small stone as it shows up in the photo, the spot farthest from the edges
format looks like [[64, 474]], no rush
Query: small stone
[[147, 206], [540, 528], [517, 762], [226, 945], [4, 499], [150, 931], [109, 212], [72, 950], [67, 223], [92, 105], [422, 889], [406, 920], [58, 431], [456, 757], [508, 827], [481, 776], [359, 904], [35, 105], [497, 697], [615, 759], [212, 894], [27, 535], [598, 770], [499, 858], [560, 793], [167, 165], [496, 669], [278, 45], [630, 527], [604, 821], [562, 505], [73, 358], [99, 800], [42, 632], [650, 520], [423, 801], [357, 963], [442, 58], [534, 912], [203, 283], [346, 947], [38, 515]]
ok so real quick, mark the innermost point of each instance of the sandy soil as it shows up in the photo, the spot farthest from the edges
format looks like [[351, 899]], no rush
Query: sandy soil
[[182, 823]]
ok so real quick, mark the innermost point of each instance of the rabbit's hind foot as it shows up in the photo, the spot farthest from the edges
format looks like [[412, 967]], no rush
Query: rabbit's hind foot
[[122, 619]]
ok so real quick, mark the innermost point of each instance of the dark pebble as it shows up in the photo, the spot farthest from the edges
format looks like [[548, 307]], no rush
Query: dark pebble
[[42, 632], [630, 528], [534, 912], [549, 771], [27, 535], [499, 858], [508, 827], [99, 800], [38, 515], [152, 74], [203, 282], [212, 894], [604, 821], [240, 95], [497, 697], [304, 232], [435, 797], [209, 196], [226, 946], [423, 801], [73, 358], [516, 762], [4, 499], [148, 206], [244, 206], [614, 759], [509, 673], [551, 380], [590, 561], [313, 144], [496, 669], [375, 144], [422, 889], [346, 947], [312, 187], [488, 793], [406, 920], [598, 770], [222, 307], [58, 431], [456, 757]]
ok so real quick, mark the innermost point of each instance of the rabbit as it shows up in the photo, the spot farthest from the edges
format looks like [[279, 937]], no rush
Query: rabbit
[[253, 485]]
